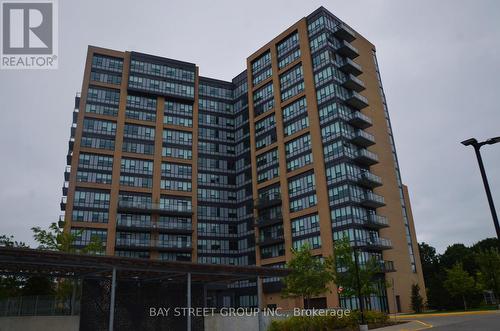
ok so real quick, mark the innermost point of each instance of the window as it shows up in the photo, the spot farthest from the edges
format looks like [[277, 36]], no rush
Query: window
[[301, 184], [161, 70], [261, 62], [305, 225], [295, 109], [107, 63], [139, 132], [288, 44], [103, 95], [298, 145]]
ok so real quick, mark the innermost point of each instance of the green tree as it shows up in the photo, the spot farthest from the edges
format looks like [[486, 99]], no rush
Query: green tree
[[417, 302], [345, 273], [10, 285], [55, 238], [459, 283], [489, 270], [8, 241], [309, 276]]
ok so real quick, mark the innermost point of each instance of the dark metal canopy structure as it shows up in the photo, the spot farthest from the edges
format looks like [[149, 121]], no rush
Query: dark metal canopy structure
[[25, 261]]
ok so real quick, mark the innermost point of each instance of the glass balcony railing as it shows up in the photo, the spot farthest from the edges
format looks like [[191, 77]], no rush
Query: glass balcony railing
[[375, 243], [344, 32], [357, 101], [133, 242], [360, 120], [377, 221], [372, 200], [354, 83], [362, 138], [176, 244], [347, 50], [350, 67], [366, 157], [366, 178]]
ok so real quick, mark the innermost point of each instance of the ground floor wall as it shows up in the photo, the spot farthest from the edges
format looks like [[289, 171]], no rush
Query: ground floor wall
[[38, 323]]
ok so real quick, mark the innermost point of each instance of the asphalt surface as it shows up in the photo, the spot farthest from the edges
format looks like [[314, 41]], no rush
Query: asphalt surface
[[467, 321]]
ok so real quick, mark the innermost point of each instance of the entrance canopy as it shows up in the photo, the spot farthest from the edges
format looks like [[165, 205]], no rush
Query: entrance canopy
[[30, 262]]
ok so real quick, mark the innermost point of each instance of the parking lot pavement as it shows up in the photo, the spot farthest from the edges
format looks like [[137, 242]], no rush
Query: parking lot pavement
[[464, 321]]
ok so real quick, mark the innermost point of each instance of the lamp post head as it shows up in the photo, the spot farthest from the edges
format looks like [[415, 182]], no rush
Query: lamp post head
[[492, 141], [469, 142]]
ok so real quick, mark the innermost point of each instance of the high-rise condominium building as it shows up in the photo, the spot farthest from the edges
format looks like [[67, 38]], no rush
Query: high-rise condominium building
[[298, 148]]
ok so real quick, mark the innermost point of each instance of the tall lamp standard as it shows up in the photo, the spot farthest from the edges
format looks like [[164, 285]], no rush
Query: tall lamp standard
[[477, 146]]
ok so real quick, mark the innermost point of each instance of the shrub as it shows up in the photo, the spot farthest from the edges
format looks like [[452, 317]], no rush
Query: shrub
[[327, 323]]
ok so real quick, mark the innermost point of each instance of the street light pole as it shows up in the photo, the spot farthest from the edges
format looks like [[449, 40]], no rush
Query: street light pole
[[358, 285], [477, 146]]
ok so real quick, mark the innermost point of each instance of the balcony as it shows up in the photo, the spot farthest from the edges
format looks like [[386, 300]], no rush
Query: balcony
[[354, 83], [172, 245], [366, 157], [157, 208], [372, 200], [274, 286], [77, 101], [367, 179], [177, 228], [360, 120], [63, 203], [268, 201], [75, 116], [65, 188], [372, 243], [387, 266], [362, 138], [351, 67], [73, 130], [133, 225], [133, 243], [263, 221], [68, 158], [67, 173], [268, 240], [357, 101], [347, 50], [375, 221], [71, 144], [379, 243], [344, 32]]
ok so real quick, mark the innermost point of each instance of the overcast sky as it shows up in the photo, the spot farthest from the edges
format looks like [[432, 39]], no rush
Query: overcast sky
[[440, 66]]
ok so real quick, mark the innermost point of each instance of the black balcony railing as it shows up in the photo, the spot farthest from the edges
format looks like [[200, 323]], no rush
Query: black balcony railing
[[268, 240], [268, 200], [152, 207], [267, 220]]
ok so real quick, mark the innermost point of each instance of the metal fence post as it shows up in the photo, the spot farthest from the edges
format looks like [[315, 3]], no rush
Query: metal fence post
[[112, 301]]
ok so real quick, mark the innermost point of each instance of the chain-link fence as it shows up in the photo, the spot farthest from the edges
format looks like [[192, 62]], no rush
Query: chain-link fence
[[38, 305]]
